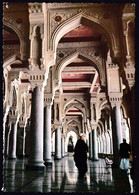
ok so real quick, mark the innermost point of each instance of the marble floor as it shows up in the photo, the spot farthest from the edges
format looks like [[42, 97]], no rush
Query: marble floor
[[63, 177]]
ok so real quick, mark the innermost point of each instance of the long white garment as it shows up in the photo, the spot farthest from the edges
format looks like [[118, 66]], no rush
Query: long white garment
[[124, 164]]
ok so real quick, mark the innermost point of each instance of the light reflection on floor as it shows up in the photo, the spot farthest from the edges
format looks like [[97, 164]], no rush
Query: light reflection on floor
[[63, 177]]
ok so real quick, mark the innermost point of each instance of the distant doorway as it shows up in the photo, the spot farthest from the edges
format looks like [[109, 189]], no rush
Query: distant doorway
[[70, 144]]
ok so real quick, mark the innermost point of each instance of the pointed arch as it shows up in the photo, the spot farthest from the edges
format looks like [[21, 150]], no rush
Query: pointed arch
[[72, 100], [100, 123], [72, 105], [76, 21], [104, 104], [12, 59], [13, 27], [73, 121], [69, 59], [124, 112]]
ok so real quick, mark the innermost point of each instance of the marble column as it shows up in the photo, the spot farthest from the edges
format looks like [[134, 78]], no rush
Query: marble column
[[13, 141], [116, 134], [90, 145], [58, 144], [23, 129], [63, 147], [94, 145], [35, 160], [24, 140], [47, 135], [6, 141], [21, 141]]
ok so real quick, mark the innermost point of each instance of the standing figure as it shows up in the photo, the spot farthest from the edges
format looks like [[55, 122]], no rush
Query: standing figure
[[124, 154], [80, 156]]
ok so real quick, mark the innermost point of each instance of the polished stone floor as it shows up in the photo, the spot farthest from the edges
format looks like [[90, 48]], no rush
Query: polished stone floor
[[63, 177]]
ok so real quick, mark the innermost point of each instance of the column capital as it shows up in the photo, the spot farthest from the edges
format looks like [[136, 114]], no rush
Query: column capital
[[115, 104], [93, 126], [48, 99], [115, 99], [37, 78], [13, 118], [22, 124], [57, 125]]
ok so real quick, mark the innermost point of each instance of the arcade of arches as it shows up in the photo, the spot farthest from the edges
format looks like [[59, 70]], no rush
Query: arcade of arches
[[68, 68]]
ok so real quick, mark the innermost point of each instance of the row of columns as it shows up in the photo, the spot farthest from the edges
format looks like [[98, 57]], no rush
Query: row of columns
[[105, 143], [116, 135], [15, 139], [40, 135]]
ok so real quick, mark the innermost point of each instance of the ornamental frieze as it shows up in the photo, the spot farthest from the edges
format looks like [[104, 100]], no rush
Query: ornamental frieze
[[65, 5], [94, 53], [59, 16], [61, 54]]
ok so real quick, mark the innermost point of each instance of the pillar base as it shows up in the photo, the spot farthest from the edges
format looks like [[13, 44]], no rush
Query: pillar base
[[57, 158], [35, 168], [48, 164], [21, 156], [95, 159], [11, 158]]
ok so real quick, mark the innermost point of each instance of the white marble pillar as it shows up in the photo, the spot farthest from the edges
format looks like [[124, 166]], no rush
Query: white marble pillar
[[36, 132], [94, 145], [58, 144], [6, 144], [63, 147], [21, 141], [108, 142], [47, 135], [53, 143], [90, 145], [24, 138], [116, 133], [13, 140]]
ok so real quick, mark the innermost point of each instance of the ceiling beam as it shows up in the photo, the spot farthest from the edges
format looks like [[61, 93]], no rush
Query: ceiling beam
[[94, 81]]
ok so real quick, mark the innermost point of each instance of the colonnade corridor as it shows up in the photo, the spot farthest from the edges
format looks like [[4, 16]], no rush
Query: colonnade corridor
[[63, 177]]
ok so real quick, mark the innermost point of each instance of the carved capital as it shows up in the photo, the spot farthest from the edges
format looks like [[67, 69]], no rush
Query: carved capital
[[48, 99], [115, 99], [13, 118], [112, 66], [37, 78], [93, 125]]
